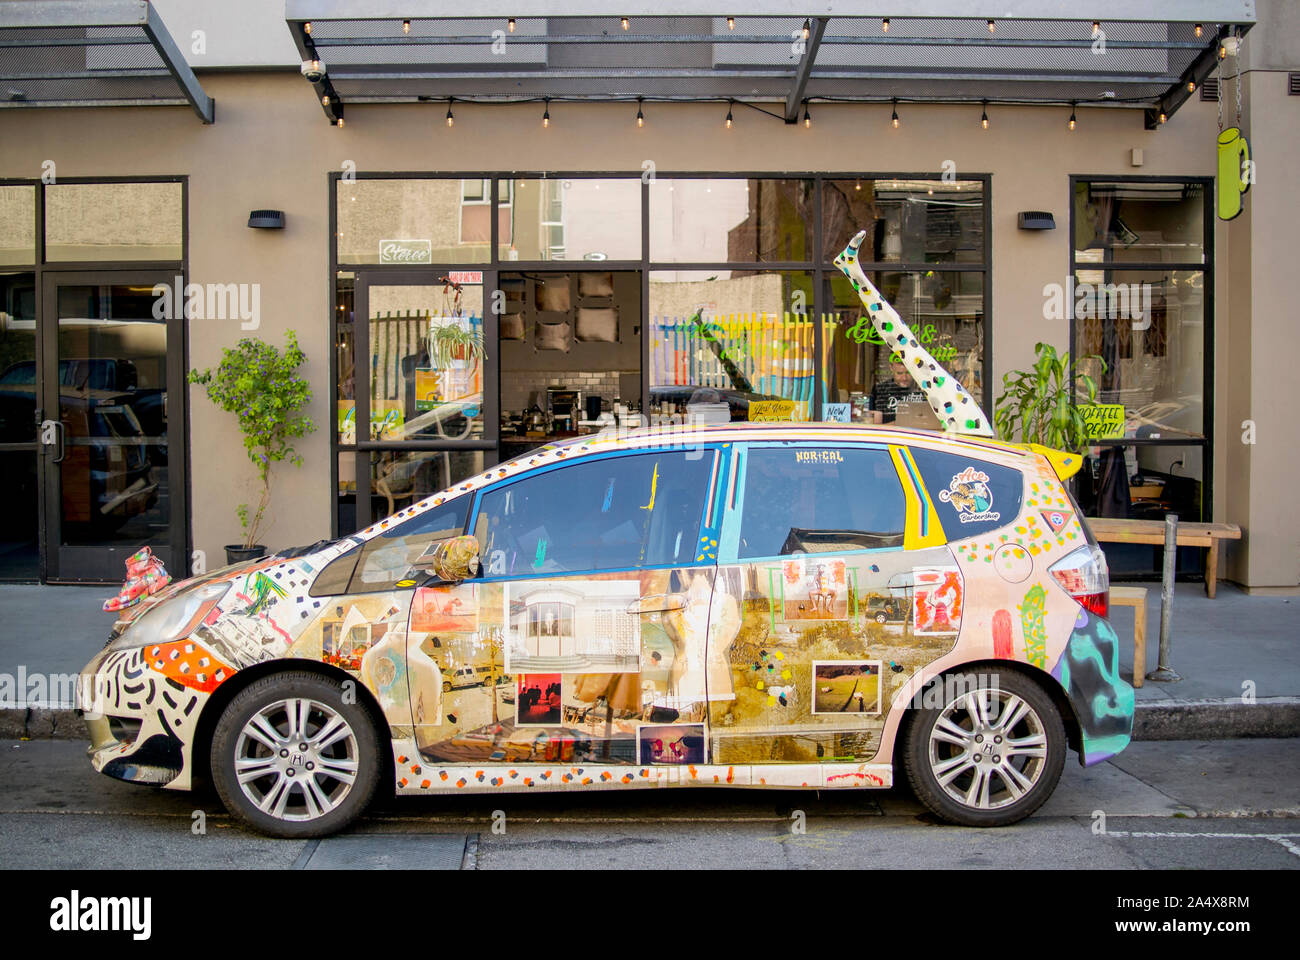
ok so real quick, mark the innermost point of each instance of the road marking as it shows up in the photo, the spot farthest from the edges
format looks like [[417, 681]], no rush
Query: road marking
[[1284, 840]]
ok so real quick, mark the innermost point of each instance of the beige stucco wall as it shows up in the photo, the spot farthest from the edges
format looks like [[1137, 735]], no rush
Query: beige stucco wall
[[271, 147]]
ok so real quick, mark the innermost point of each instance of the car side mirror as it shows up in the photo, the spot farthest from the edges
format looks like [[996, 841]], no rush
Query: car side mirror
[[451, 560]]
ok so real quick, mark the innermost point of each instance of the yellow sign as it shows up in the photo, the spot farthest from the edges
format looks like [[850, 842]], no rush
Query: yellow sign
[[1102, 421], [770, 411]]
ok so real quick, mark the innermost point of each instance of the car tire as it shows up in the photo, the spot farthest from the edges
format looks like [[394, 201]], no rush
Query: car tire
[[882, 617], [990, 755], [269, 781]]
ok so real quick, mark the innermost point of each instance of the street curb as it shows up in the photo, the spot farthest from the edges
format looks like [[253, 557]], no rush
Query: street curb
[[1166, 719], [1216, 719], [42, 723]]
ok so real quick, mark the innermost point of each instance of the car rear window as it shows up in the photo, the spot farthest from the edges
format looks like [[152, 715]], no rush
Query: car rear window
[[972, 496]]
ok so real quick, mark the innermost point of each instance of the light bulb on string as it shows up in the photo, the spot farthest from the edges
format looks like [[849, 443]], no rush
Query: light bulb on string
[[807, 29], [406, 26], [894, 119], [807, 117], [640, 117], [992, 26], [731, 23], [450, 118], [546, 114], [625, 22], [510, 24], [884, 25], [729, 118], [984, 116], [1198, 31], [1072, 118]]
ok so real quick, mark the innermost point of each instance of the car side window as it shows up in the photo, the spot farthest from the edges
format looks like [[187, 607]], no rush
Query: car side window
[[614, 513], [972, 496], [819, 500], [388, 558]]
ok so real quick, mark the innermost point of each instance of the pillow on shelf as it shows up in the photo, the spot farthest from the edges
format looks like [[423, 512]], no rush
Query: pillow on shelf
[[512, 326], [599, 324], [553, 295], [595, 284], [553, 336]]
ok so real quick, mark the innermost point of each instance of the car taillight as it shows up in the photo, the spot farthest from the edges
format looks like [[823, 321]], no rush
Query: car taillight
[[1083, 575]]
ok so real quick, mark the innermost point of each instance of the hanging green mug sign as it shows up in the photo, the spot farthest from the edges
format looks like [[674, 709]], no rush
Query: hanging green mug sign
[[1235, 173]]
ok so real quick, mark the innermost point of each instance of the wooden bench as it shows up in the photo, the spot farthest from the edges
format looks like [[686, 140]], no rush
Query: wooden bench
[[1135, 597], [1112, 530]]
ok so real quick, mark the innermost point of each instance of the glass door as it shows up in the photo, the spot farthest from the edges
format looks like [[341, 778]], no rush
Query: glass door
[[419, 370], [114, 459], [19, 450]]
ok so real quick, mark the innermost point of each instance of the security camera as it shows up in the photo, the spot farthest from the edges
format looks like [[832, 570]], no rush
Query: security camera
[[313, 70]]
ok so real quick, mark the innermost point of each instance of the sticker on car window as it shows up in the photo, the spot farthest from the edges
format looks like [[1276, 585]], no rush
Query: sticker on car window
[[970, 494]]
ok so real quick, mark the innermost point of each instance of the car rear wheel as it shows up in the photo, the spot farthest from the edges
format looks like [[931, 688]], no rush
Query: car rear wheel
[[291, 757], [991, 754]]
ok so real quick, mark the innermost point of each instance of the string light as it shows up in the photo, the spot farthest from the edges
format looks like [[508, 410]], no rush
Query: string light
[[857, 185], [510, 24], [640, 117], [1072, 120], [731, 23], [325, 100], [625, 22], [807, 117], [1198, 30], [406, 26], [984, 116], [1163, 116], [339, 123], [306, 27], [1223, 52], [546, 113], [1191, 86], [1096, 27], [729, 119], [884, 25], [807, 29], [894, 118], [450, 119], [992, 26]]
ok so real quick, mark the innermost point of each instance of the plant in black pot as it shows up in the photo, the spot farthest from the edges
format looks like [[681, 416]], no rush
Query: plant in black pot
[[261, 387]]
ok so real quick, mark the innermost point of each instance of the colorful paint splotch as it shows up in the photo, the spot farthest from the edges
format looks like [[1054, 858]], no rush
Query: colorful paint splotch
[[1033, 621], [937, 602]]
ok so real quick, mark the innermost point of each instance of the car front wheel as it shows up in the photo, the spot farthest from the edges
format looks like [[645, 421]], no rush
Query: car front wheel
[[292, 757], [984, 751]]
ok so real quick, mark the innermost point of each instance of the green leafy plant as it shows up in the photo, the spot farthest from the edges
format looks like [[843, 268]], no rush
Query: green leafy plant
[[1036, 405], [261, 387], [452, 341]]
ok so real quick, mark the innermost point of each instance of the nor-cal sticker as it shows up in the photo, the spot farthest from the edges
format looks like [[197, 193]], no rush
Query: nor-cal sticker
[[969, 492]]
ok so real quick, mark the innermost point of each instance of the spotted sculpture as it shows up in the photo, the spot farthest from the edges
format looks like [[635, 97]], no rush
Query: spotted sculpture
[[951, 403]]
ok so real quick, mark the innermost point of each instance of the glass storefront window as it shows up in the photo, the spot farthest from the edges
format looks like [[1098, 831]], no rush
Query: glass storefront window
[[425, 362], [946, 312], [412, 222], [731, 337], [570, 219], [1149, 329], [17, 225], [399, 478], [1139, 222], [113, 221], [731, 220], [345, 355], [907, 221]]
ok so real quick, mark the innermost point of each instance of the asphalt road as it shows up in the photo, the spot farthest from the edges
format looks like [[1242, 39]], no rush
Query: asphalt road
[[1228, 804]]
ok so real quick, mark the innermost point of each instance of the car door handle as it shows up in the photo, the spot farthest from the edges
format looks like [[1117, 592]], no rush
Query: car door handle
[[658, 603]]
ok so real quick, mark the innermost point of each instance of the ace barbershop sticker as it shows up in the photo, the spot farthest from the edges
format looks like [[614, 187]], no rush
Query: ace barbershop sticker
[[969, 493]]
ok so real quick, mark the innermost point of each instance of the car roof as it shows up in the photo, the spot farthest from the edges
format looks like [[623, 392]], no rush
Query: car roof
[[784, 431]]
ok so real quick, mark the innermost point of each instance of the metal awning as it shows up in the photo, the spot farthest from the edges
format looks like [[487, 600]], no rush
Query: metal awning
[[99, 53], [1088, 52]]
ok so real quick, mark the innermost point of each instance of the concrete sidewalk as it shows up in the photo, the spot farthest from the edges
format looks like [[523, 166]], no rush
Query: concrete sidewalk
[[1238, 655]]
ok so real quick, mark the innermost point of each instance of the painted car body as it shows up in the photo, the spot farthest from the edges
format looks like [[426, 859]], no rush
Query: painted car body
[[729, 660]]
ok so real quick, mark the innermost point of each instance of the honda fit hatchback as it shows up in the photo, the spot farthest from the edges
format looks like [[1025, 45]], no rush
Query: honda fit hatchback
[[784, 605]]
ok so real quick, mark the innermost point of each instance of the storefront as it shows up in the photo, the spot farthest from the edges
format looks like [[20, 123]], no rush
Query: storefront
[[631, 224], [632, 300]]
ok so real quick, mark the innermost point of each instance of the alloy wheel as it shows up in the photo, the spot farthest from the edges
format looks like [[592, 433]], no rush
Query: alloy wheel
[[988, 748], [296, 759]]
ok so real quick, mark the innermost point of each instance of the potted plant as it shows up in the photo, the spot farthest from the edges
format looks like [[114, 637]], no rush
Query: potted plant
[[1037, 405], [261, 387]]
